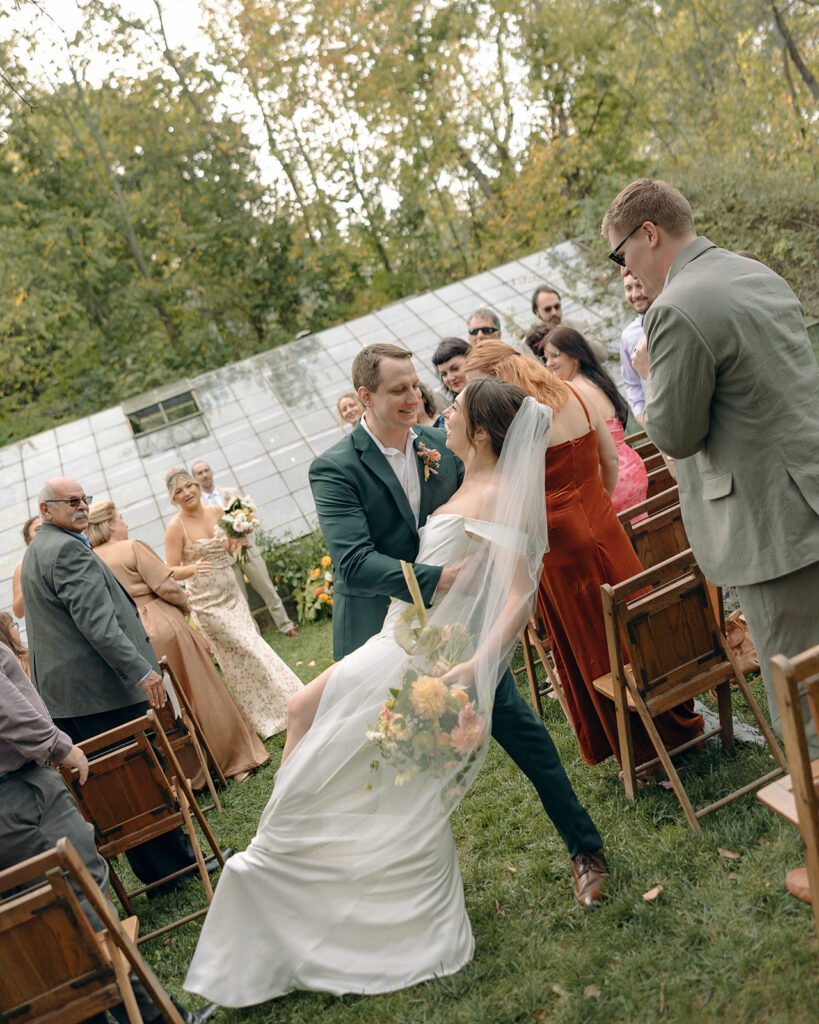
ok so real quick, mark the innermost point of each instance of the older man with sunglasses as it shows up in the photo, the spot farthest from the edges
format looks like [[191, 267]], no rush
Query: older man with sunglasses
[[91, 660]]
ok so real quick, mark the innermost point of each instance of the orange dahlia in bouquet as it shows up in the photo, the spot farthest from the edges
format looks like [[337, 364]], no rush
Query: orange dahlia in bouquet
[[425, 725]]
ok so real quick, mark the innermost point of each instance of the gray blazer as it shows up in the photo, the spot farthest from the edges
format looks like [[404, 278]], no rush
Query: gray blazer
[[733, 394], [88, 649]]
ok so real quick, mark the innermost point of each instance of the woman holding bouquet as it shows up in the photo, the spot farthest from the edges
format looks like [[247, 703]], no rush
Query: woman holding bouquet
[[162, 605], [259, 680], [352, 882]]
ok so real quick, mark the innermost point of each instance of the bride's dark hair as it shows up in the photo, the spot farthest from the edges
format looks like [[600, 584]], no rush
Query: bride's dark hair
[[491, 404]]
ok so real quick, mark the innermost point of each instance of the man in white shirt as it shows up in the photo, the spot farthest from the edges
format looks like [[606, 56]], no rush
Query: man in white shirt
[[254, 568], [629, 339]]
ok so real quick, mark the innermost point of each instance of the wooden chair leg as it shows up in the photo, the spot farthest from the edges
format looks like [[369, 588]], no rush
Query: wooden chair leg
[[756, 711], [119, 888], [625, 737], [119, 963], [197, 850], [669, 768], [551, 675], [203, 761], [531, 674]]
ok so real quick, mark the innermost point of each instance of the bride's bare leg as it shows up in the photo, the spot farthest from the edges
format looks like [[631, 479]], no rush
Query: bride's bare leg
[[301, 710]]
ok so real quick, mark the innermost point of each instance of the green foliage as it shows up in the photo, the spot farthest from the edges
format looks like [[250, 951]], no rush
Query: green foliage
[[314, 599], [289, 560]]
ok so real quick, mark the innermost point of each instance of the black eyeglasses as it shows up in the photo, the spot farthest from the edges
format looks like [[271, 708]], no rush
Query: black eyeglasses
[[482, 330], [73, 502], [615, 256]]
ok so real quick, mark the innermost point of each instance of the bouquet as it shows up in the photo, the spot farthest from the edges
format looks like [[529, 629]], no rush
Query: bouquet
[[426, 725], [315, 596], [238, 522]]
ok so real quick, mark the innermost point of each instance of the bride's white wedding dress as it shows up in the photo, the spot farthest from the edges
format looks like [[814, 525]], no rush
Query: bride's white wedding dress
[[352, 882], [345, 888]]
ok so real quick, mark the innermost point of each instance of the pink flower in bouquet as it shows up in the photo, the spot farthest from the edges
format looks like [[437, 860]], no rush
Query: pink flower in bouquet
[[428, 696], [470, 731]]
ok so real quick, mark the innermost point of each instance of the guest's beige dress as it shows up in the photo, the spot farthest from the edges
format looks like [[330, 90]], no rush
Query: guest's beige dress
[[259, 680], [234, 744]]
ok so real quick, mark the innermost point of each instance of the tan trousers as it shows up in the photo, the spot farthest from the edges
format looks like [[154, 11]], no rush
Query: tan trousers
[[783, 617], [259, 578]]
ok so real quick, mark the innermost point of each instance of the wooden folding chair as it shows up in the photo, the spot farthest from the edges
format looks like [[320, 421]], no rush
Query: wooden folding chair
[[642, 444], [129, 799], [796, 796], [185, 735], [536, 649], [676, 652], [659, 479], [57, 969]]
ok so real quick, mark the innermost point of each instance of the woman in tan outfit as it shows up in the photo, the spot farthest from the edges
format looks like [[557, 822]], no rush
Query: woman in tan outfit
[[161, 603]]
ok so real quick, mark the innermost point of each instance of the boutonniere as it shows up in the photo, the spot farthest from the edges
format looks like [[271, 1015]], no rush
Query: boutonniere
[[430, 458]]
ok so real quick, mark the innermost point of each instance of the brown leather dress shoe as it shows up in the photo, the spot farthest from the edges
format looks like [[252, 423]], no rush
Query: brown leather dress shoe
[[797, 884], [590, 874], [292, 632]]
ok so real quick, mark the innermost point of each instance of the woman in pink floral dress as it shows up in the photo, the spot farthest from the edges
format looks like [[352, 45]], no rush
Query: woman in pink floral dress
[[567, 354], [259, 680]]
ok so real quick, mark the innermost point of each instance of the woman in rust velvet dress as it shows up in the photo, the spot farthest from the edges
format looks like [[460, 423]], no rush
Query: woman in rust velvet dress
[[587, 547], [160, 601]]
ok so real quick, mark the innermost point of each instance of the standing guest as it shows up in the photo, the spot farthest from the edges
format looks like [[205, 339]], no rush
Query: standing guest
[[548, 308], [30, 527], [91, 660], [37, 808], [567, 356], [483, 323], [254, 568], [448, 358], [10, 636], [587, 547], [162, 605], [427, 412], [629, 339], [349, 411], [732, 393], [258, 678]]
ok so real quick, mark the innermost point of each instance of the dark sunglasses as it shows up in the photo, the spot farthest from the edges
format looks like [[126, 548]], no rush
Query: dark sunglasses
[[615, 256], [482, 330], [73, 502]]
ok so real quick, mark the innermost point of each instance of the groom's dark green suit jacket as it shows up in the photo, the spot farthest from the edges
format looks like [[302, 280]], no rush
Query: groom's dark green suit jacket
[[368, 525]]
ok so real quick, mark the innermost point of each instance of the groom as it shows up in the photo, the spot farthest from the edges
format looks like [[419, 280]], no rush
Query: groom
[[372, 494]]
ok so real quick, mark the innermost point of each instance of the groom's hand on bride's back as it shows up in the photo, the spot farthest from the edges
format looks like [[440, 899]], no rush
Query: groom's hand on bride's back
[[449, 574]]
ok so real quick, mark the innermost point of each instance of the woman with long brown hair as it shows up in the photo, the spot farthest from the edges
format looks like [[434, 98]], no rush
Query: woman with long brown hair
[[10, 636], [162, 604], [587, 547]]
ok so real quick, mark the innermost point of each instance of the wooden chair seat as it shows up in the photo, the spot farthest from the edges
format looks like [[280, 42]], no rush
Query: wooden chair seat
[[56, 968], [129, 799], [796, 797], [664, 619]]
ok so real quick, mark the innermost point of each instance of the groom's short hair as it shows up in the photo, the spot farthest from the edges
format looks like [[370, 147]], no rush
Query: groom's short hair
[[367, 364]]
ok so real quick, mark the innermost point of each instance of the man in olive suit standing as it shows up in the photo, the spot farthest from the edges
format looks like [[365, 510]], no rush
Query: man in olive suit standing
[[732, 393], [372, 498]]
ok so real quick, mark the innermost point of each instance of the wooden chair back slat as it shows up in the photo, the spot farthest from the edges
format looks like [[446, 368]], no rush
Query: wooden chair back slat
[[659, 479], [666, 621]]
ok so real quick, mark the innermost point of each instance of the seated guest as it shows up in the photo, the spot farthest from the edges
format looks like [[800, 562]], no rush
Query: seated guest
[[567, 355], [162, 605], [10, 636], [448, 358], [30, 527], [587, 547], [349, 410], [37, 808]]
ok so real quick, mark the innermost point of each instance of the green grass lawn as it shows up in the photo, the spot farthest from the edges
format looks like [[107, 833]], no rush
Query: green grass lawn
[[724, 942]]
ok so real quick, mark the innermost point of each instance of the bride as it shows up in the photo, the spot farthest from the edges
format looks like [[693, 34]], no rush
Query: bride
[[352, 881]]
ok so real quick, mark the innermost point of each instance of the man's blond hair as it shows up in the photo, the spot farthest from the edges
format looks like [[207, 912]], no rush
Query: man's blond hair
[[648, 199], [367, 364]]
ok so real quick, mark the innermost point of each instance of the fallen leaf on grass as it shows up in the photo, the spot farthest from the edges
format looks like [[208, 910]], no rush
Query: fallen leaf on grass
[[665, 784], [727, 854], [167, 942], [591, 992], [299, 663], [311, 664], [652, 894], [662, 1002], [527, 912], [500, 909], [560, 991], [511, 870]]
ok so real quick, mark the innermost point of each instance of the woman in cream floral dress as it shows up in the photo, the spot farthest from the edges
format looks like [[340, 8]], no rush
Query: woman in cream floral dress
[[259, 680]]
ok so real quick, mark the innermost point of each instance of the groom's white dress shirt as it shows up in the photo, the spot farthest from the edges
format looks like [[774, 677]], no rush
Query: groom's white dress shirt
[[403, 464], [213, 498]]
